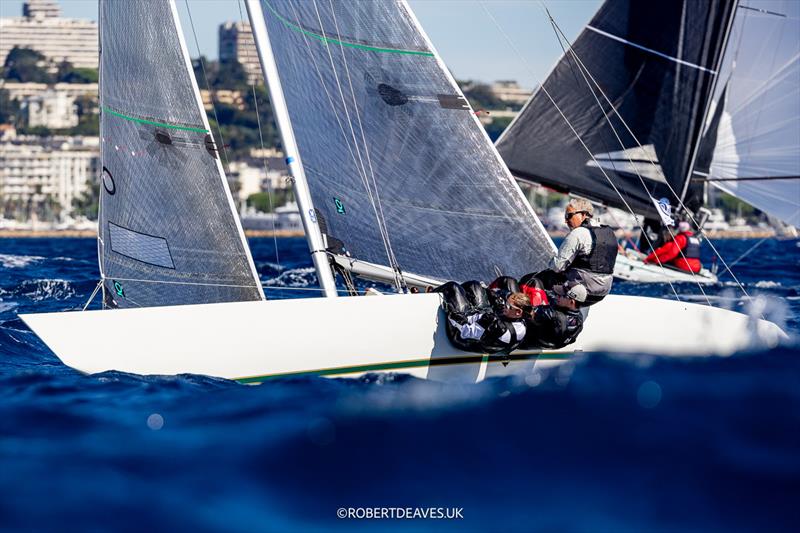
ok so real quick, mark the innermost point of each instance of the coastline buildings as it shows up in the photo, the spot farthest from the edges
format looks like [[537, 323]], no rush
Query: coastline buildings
[[510, 92], [236, 44], [41, 177], [52, 109], [41, 28]]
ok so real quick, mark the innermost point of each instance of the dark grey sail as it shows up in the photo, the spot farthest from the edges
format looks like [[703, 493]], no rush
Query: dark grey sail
[[168, 231], [401, 173], [656, 62]]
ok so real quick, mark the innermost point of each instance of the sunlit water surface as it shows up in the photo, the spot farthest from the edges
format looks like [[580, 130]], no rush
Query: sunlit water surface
[[612, 444]]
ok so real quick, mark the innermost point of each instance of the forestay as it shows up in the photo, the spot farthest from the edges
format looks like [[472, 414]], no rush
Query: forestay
[[655, 62], [401, 173], [168, 230], [757, 148]]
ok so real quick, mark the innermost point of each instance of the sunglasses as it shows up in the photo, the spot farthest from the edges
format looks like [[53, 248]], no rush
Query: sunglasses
[[568, 216]]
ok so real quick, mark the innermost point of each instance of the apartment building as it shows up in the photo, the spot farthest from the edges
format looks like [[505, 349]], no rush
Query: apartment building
[[42, 28]]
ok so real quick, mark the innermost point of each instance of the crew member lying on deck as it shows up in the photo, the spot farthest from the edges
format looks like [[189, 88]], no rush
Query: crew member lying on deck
[[552, 324], [484, 321]]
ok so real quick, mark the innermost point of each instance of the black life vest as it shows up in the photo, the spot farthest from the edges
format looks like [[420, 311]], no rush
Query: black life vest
[[469, 304], [552, 328], [604, 251], [692, 249]]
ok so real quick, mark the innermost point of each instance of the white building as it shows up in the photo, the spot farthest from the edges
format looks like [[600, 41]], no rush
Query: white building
[[236, 44], [246, 179], [34, 172], [510, 92], [249, 177], [53, 109], [41, 28], [21, 91]]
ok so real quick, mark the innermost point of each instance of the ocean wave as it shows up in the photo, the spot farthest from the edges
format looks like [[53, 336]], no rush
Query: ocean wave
[[6, 306], [767, 284], [296, 277], [18, 261], [42, 289]]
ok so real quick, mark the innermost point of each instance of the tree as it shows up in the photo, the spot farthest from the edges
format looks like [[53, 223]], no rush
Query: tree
[[9, 109], [26, 65], [261, 200], [87, 204], [68, 74]]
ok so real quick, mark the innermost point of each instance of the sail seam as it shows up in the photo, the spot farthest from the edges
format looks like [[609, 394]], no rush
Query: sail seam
[[325, 39], [152, 122], [168, 282], [656, 52]]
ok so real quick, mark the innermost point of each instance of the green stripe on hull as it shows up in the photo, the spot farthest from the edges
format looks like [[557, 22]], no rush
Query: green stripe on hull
[[152, 122], [326, 39], [413, 363]]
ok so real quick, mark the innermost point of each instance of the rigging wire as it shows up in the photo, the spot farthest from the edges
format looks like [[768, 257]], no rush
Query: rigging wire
[[208, 87], [336, 115], [584, 71], [94, 293], [680, 202], [395, 266], [263, 157], [363, 172], [750, 250], [577, 135]]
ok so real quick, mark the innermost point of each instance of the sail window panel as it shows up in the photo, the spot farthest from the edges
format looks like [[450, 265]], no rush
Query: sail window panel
[[140, 246]]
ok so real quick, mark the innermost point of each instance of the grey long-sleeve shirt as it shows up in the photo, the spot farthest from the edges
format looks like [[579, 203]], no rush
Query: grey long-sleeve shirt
[[579, 242]]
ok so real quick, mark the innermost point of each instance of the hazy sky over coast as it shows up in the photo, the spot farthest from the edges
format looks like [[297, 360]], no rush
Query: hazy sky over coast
[[466, 37]]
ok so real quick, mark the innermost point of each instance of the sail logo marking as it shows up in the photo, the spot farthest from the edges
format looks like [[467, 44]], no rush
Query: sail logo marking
[[108, 182], [339, 206], [118, 289]]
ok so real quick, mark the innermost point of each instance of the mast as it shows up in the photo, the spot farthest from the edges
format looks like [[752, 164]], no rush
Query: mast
[[316, 243], [707, 109]]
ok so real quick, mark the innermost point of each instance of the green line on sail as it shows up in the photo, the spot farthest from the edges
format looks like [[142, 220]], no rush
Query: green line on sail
[[325, 39], [152, 122]]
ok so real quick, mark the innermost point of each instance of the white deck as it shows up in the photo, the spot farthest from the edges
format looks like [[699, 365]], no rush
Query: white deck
[[253, 341]]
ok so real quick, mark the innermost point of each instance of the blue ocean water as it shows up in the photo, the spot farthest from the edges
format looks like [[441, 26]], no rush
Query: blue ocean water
[[613, 444]]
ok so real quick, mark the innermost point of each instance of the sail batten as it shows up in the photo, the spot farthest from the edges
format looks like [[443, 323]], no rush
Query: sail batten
[[401, 173], [168, 230]]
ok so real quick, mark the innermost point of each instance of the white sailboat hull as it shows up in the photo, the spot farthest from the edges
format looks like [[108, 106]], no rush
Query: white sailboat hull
[[255, 341], [631, 269]]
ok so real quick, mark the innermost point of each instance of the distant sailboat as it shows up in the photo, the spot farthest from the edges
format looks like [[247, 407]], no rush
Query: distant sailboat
[[637, 86], [395, 179]]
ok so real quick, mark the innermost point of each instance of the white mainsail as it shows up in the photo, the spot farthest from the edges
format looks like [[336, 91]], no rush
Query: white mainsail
[[400, 171], [168, 230], [757, 152]]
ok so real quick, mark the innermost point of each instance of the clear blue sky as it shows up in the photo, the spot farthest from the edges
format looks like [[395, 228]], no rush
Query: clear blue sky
[[468, 40]]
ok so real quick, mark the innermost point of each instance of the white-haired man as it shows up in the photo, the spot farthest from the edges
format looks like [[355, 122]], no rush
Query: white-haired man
[[586, 256]]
